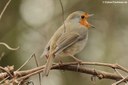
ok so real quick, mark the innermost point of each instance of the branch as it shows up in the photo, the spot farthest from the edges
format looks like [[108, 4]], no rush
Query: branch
[[71, 66]]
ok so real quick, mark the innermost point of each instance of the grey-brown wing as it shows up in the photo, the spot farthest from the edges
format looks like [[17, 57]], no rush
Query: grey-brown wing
[[66, 40]]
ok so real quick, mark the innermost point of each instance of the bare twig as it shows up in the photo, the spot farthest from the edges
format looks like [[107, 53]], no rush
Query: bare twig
[[4, 79], [6, 70], [7, 46], [121, 67], [26, 62], [120, 81], [37, 66], [5, 7], [62, 14], [118, 73]]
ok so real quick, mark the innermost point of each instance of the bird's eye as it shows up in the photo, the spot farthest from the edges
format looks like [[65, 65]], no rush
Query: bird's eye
[[82, 17]]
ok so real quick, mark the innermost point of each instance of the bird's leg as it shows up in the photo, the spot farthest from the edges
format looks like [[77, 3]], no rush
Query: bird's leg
[[77, 60], [59, 60]]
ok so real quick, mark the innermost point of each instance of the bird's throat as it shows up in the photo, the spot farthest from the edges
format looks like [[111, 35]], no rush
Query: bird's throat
[[85, 23]]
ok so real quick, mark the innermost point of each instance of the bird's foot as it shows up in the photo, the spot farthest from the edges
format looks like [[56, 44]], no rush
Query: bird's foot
[[60, 62], [79, 63]]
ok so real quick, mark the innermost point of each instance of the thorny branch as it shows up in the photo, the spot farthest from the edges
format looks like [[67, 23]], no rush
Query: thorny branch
[[70, 66]]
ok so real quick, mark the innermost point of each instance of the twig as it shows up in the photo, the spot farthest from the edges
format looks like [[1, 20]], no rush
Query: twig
[[62, 15], [5, 7], [121, 68], [4, 79], [37, 66], [26, 62], [5, 70], [8, 70], [120, 81], [119, 73], [7, 46]]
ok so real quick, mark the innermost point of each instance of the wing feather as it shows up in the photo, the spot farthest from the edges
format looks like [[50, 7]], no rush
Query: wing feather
[[66, 40]]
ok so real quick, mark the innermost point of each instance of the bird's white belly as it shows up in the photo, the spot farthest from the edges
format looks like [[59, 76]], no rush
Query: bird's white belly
[[76, 48]]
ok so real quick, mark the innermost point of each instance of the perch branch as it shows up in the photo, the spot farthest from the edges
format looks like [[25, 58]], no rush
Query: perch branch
[[70, 66]]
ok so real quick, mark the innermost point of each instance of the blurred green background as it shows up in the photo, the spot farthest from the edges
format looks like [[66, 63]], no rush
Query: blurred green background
[[29, 24]]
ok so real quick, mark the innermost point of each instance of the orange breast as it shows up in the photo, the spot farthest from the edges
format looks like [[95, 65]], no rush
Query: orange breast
[[85, 23]]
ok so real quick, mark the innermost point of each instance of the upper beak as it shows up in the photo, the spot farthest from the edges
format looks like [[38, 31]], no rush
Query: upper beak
[[90, 15]]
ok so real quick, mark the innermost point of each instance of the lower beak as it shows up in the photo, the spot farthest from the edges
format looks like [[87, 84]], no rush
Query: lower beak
[[92, 26]]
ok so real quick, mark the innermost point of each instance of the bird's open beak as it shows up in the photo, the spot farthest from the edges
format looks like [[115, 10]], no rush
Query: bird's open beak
[[90, 15]]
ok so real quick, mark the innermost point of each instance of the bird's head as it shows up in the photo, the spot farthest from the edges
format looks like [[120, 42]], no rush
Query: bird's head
[[80, 17]]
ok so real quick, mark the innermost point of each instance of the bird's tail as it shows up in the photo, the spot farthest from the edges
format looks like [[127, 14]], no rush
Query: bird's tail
[[48, 64]]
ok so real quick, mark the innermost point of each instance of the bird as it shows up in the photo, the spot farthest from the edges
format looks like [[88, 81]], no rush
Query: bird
[[69, 39]]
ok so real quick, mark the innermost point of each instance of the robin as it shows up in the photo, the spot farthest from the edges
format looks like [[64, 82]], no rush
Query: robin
[[69, 39]]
